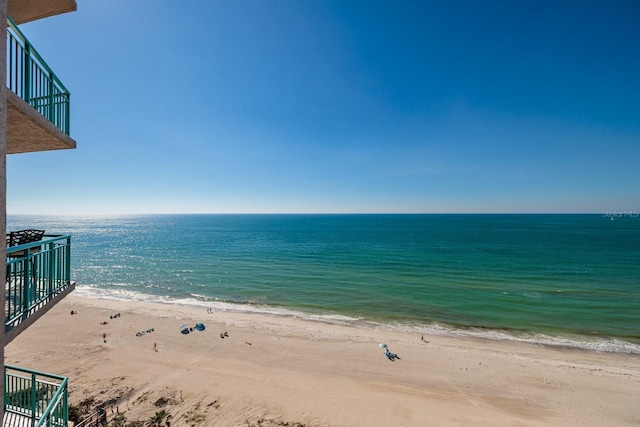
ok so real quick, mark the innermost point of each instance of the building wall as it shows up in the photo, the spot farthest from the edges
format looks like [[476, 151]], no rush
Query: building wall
[[3, 173]]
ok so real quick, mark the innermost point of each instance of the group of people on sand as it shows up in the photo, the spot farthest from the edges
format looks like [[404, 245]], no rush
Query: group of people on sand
[[186, 329], [141, 333]]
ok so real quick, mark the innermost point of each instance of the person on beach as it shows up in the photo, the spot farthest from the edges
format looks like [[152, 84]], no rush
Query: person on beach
[[391, 356], [155, 347], [104, 338]]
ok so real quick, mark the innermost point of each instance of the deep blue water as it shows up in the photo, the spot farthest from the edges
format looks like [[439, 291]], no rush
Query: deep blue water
[[567, 279]]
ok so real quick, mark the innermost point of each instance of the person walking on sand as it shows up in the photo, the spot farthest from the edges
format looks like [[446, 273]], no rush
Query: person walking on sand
[[155, 348]]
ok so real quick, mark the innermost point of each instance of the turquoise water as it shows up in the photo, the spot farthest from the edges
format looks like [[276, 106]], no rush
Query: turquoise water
[[563, 279]]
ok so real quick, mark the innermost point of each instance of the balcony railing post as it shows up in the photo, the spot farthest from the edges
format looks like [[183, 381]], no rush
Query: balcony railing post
[[67, 264], [51, 109], [65, 403], [27, 72], [6, 387], [28, 280], [25, 285], [67, 121], [50, 264], [33, 398]]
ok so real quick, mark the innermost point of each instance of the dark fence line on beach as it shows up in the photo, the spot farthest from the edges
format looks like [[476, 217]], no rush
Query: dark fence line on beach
[[100, 417]]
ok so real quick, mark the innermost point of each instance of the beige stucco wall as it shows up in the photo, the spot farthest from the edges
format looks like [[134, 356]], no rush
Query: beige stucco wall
[[3, 172]]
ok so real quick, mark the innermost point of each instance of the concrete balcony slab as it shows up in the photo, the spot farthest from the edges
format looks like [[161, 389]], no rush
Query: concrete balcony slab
[[29, 131], [22, 11]]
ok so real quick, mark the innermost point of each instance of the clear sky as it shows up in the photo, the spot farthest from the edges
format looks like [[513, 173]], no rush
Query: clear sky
[[340, 106]]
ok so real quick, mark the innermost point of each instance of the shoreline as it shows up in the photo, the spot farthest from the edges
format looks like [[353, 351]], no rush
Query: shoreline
[[605, 344], [285, 369]]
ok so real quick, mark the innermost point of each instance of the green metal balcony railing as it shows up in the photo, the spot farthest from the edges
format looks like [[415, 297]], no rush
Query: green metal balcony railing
[[34, 399], [36, 272], [29, 77]]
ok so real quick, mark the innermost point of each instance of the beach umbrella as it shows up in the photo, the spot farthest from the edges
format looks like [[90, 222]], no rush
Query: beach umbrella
[[383, 345]]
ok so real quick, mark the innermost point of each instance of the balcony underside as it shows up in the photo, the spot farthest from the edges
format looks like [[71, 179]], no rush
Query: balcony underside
[[29, 131], [36, 312], [30, 10]]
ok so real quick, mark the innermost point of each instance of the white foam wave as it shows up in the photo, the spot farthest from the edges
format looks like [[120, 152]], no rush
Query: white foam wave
[[601, 344], [197, 300]]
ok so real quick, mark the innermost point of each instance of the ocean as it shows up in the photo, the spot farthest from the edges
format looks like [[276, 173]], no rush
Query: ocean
[[569, 280]]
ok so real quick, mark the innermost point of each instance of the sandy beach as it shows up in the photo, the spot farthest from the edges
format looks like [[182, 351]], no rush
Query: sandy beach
[[280, 371]]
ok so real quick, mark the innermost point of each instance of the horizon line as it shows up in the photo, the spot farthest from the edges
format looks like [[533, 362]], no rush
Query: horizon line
[[603, 213]]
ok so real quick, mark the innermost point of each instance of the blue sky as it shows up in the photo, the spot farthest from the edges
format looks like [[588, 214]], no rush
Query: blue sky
[[340, 106]]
